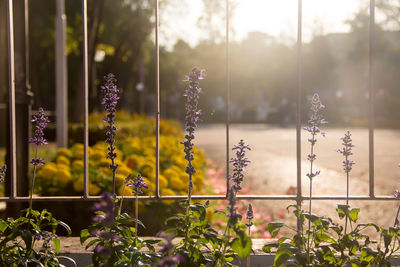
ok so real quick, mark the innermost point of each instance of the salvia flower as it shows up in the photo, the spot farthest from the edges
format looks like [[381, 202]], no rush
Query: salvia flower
[[107, 208], [239, 165], [313, 128], [396, 194], [3, 171], [137, 183], [346, 151], [37, 161], [110, 101], [192, 94], [249, 215], [40, 121], [231, 203]]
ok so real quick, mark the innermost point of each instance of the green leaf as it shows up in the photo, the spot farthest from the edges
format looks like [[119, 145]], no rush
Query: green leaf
[[353, 214], [242, 244], [268, 247], [27, 237], [56, 242], [342, 210], [66, 227], [3, 226], [282, 255], [84, 235], [274, 227]]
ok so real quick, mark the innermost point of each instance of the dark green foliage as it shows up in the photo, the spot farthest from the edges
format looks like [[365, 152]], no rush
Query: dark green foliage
[[18, 238], [204, 245], [115, 244], [330, 245]]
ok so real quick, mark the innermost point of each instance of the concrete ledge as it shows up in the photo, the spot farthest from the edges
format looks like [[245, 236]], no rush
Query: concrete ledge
[[71, 247]]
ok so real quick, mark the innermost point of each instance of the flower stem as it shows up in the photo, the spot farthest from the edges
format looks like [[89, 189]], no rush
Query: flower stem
[[32, 185], [122, 199], [396, 221], [248, 258], [347, 201], [310, 207], [136, 216]]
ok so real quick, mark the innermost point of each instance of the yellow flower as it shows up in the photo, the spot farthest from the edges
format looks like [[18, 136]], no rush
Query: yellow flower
[[79, 154], [123, 170], [134, 161], [106, 171], [48, 171], [78, 185], [63, 176], [94, 189], [168, 192], [147, 169], [63, 166], [97, 154], [127, 192], [78, 164], [104, 162], [170, 173], [64, 152], [63, 160], [177, 183], [163, 182], [78, 146]]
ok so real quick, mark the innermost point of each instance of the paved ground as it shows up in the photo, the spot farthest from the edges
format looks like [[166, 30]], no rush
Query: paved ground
[[273, 167]]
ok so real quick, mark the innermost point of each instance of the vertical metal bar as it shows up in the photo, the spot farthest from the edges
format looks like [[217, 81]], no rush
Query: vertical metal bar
[[228, 86], [371, 109], [61, 76], [27, 55], [298, 104], [11, 92], [85, 102], [158, 99]]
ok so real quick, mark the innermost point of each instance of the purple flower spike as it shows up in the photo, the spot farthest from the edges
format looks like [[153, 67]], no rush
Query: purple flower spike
[[239, 164], [40, 121], [137, 183], [110, 101], [314, 123], [346, 151], [107, 207], [396, 194], [38, 161], [192, 94]]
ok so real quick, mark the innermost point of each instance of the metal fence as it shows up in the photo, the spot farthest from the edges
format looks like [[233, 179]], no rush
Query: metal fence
[[299, 197]]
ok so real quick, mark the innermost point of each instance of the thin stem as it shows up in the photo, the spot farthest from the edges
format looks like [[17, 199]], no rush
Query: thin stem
[[188, 208], [122, 199], [248, 258], [32, 184], [136, 215], [227, 237], [347, 199], [396, 222], [113, 172], [310, 207]]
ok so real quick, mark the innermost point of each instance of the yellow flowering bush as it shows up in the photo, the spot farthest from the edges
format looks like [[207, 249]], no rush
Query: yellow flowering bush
[[135, 154]]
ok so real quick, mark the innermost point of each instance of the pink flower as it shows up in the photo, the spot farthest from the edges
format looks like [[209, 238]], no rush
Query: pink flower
[[267, 218], [219, 222], [281, 214], [266, 234]]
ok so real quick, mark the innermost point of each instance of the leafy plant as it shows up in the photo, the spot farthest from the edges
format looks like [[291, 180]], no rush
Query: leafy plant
[[32, 226], [19, 236], [114, 237]]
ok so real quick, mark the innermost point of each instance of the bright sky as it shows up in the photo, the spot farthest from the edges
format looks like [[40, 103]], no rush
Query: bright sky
[[276, 17]]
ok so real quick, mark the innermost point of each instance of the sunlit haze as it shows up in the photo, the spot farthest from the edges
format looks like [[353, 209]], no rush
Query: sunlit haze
[[277, 18]]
